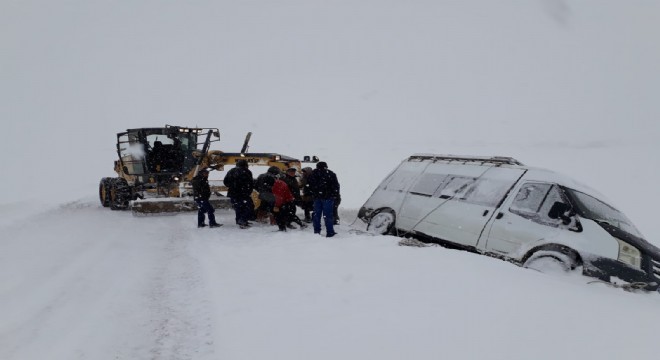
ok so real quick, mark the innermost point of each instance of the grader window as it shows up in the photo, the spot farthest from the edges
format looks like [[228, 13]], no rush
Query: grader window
[[165, 152]]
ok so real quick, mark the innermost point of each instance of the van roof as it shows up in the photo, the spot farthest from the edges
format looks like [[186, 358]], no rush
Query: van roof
[[482, 159], [532, 174]]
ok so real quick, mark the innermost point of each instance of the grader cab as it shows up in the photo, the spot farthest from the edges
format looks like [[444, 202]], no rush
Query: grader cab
[[156, 165]]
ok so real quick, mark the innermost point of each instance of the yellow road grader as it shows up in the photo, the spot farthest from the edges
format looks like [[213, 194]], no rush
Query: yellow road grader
[[156, 165]]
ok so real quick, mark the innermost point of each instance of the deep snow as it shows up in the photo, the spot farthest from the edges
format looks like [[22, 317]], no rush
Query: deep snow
[[571, 86]]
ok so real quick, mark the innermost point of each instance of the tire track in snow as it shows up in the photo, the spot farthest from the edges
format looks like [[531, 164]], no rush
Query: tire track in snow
[[180, 320]]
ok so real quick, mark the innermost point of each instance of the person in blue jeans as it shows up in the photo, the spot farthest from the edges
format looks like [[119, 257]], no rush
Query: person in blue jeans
[[201, 194], [324, 187]]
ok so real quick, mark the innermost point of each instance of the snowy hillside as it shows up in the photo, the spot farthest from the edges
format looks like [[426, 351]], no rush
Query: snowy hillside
[[570, 86]]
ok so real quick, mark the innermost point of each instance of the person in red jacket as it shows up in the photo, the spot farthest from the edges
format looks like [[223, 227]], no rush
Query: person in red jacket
[[284, 202]]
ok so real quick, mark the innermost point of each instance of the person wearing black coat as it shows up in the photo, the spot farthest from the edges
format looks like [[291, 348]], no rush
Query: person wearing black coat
[[201, 195], [240, 184], [292, 182], [264, 185], [324, 187], [307, 201]]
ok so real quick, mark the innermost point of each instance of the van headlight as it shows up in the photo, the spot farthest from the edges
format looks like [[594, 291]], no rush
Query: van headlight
[[630, 255]]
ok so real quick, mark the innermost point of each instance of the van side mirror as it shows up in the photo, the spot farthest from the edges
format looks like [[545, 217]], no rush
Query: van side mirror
[[558, 211]]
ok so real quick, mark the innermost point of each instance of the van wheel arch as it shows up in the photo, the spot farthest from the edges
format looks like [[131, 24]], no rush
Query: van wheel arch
[[382, 222], [570, 258]]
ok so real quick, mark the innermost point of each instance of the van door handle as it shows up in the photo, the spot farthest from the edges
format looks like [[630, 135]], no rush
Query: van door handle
[[485, 213], [499, 216]]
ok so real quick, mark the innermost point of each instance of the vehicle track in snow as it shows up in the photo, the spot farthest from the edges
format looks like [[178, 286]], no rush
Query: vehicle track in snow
[[179, 317], [98, 284]]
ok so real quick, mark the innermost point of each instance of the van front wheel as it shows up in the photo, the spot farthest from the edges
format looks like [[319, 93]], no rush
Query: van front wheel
[[382, 223], [549, 261]]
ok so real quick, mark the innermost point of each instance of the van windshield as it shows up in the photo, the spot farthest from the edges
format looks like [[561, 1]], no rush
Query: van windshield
[[594, 209]]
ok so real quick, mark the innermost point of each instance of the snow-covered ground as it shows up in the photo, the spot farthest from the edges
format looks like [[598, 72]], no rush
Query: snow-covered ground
[[90, 283], [571, 86]]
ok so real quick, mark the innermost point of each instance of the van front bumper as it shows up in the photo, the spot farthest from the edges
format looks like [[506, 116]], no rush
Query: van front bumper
[[618, 273]]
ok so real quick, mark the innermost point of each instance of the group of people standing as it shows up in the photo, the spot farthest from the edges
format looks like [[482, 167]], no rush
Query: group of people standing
[[279, 194]]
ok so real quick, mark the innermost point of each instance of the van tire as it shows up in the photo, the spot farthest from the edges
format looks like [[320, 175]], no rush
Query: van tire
[[552, 261], [382, 222]]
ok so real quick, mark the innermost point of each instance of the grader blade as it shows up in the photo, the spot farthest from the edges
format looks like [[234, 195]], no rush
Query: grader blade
[[172, 206]]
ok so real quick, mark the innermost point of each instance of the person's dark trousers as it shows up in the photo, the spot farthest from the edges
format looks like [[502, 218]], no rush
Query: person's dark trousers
[[244, 208], [205, 207], [289, 210], [323, 207], [281, 217]]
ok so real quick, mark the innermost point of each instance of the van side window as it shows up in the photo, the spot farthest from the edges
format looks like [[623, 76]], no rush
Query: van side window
[[456, 187], [534, 201], [428, 184], [488, 192], [400, 180], [554, 195], [529, 198]]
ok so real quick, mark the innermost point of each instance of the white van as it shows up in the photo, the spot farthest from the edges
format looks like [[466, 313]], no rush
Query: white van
[[498, 206]]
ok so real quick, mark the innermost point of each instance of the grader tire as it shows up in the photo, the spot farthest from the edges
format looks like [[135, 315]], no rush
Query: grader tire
[[120, 194], [104, 191]]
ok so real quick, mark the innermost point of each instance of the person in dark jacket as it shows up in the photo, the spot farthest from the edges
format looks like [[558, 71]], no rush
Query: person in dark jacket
[[201, 195], [264, 185], [324, 187], [307, 201], [240, 184], [292, 182]]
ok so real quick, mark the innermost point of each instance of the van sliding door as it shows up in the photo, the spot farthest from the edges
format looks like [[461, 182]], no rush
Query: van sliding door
[[462, 203]]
